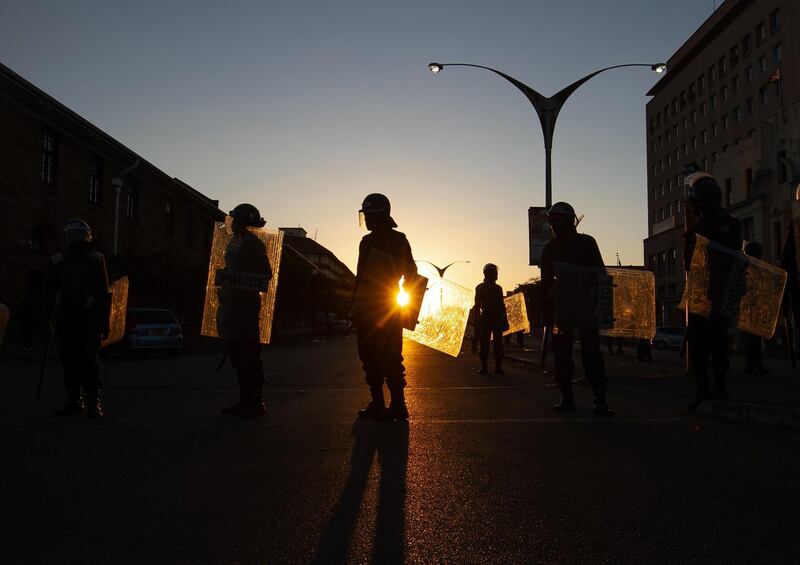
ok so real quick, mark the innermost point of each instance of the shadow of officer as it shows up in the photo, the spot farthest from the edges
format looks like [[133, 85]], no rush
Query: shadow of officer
[[388, 447]]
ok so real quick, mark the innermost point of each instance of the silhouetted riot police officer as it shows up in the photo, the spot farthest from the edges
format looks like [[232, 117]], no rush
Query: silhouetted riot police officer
[[574, 248], [384, 256], [78, 290], [492, 319], [707, 338], [238, 315]]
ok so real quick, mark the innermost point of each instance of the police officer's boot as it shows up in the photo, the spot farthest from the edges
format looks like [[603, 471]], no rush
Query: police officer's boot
[[702, 393], [237, 406], [484, 366], [94, 409], [376, 406], [254, 403], [718, 392], [601, 407], [567, 402], [397, 409], [73, 404], [498, 368]]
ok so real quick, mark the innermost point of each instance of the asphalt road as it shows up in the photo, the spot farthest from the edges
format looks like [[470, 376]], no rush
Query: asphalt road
[[483, 472]]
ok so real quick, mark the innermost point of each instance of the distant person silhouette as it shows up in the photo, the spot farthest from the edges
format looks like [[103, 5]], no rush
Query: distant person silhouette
[[238, 315], [78, 293], [707, 338], [490, 311], [384, 257], [754, 365], [579, 249]]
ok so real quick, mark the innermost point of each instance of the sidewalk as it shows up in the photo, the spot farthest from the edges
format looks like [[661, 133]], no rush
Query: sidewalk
[[773, 399]]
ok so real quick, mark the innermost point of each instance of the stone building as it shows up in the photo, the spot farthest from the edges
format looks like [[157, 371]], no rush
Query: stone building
[[729, 103], [55, 165]]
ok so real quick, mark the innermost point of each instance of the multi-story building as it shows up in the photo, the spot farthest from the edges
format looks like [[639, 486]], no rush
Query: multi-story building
[[55, 165], [730, 104]]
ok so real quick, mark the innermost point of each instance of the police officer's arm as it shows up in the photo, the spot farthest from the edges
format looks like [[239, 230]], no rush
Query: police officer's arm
[[595, 257], [409, 266], [101, 295], [52, 287]]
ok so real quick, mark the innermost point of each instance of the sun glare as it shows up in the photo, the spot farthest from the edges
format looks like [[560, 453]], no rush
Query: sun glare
[[402, 296]]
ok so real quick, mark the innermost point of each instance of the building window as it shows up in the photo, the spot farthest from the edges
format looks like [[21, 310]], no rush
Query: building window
[[669, 211], [728, 192], [748, 106], [714, 157], [763, 95], [781, 167], [748, 185], [704, 135], [736, 83], [761, 33], [776, 53], [132, 200], [189, 228], [703, 109], [678, 206], [661, 188], [95, 181], [734, 55], [725, 123], [169, 216], [701, 84], [672, 260], [712, 75], [669, 160], [662, 259], [713, 101], [748, 74], [651, 262], [737, 114], [762, 63], [49, 154], [724, 92], [723, 66], [694, 143], [775, 21], [685, 149], [694, 116], [685, 122], [747, 45], [714, 129], [705, 163]]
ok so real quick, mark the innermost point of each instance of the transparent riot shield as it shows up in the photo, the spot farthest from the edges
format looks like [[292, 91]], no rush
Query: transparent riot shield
[[443, 316], [119, 309], [517, 314], [727, 284], [4, 316], [242, 282], [615, 301], [383, 292]]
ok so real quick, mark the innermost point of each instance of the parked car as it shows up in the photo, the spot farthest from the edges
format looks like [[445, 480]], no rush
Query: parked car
[[668, 336], [152, 329]]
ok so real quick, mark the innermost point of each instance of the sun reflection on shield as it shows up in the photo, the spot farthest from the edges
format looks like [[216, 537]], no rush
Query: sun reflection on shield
[[443, 316]]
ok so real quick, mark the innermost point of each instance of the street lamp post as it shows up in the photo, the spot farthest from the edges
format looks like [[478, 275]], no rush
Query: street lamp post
[[547, 108]]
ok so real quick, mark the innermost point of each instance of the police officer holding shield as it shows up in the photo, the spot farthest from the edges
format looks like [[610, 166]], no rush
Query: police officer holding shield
[[384, 256], [574, 248], [238, 315], [707, 338], [491, 318], [78, 293]]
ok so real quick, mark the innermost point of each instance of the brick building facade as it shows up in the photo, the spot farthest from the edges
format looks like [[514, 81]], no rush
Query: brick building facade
[[55, 165], [730, 103]]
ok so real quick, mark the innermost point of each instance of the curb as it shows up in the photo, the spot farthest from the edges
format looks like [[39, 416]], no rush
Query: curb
[[741, 412]]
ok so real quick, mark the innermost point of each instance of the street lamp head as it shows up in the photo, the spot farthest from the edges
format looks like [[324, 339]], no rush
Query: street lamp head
[[435, 68], [659, 68]]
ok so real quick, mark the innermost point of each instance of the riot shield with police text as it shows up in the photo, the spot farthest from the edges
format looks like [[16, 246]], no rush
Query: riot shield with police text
[[617, 302], [118, 311], [443, 316], [728, 285], [242, 283], [517, 314]]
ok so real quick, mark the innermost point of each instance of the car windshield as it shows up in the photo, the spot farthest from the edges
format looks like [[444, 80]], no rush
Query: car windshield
[[155, 317]]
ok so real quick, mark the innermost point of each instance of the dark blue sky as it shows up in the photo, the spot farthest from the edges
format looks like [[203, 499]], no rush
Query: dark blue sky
[[304, 107]]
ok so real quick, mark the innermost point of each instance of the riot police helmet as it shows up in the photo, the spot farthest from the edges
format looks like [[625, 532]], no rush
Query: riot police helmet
[[562, 213], [489, 267], [248, 215], [77, 230], [376, 206], [754, 249], [703, 191]]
